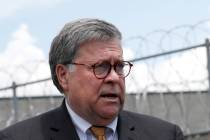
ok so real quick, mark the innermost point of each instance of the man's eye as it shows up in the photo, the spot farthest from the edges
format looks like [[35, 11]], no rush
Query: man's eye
[[102, 67], [120, 65], [120, 68]]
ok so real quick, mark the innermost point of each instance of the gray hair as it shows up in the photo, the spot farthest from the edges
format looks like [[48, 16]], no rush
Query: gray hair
[[66, 44]]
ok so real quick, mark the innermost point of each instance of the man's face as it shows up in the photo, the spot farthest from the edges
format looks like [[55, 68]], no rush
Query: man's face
[[96, 100]]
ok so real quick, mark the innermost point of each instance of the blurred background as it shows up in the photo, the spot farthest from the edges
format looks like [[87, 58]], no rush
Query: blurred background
[[167, 41]]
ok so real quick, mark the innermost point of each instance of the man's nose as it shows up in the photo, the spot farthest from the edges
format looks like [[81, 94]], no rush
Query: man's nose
[[112, 76]]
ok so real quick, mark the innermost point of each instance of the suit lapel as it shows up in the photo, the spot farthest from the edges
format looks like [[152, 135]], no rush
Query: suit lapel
[[60, 125], [126, 128]]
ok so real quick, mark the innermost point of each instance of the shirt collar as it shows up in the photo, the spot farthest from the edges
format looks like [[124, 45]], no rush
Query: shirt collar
[[79, 122], [84, 125]]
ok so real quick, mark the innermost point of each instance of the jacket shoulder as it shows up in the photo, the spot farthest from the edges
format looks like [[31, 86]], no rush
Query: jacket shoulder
[[145, 119], [152, 127], [27, 128]]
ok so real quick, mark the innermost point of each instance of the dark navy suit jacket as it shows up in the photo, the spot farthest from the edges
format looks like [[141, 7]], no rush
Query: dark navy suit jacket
[[57, 125]]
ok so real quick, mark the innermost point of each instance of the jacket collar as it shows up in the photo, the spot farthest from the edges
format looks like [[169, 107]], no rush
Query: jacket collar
[[60, 125]]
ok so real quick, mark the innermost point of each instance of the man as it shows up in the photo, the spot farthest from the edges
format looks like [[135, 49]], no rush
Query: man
[[87, 66]]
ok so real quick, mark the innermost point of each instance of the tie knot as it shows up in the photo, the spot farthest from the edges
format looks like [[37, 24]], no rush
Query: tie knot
[[98, 131]]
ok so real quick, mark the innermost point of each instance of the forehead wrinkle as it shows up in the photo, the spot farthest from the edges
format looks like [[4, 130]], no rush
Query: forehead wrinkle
[[100, 51], [100, 59], [105, 55]]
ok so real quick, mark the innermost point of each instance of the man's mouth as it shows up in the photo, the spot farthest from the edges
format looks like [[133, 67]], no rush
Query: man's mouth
[[109, 95]]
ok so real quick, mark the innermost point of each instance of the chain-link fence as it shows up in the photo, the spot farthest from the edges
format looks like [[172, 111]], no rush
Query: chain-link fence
[[169, 80]]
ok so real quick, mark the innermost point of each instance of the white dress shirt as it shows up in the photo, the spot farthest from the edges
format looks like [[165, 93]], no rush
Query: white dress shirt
[[82, 127]]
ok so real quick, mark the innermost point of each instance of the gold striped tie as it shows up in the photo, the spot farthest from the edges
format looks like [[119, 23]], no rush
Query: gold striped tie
[[98, 132]]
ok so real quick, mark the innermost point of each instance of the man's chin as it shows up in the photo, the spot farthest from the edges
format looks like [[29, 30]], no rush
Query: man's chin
[[110, 113], [105, 119]]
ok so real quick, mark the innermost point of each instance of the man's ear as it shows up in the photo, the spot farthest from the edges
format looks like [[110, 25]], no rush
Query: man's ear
[[62, 75]]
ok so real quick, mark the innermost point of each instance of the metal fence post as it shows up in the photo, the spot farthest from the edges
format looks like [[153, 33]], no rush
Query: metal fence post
[[15, 100], [207, 44]]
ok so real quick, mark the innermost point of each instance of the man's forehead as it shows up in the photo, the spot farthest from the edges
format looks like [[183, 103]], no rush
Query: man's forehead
[[99, 58], [102, 44], [96, 47]]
